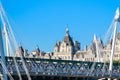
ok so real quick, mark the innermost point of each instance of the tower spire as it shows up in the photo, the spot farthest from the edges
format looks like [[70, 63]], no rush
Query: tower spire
[[67, 31]]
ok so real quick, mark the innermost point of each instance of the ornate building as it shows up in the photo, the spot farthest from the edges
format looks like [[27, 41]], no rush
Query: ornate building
[[66, 49], [70, 50]]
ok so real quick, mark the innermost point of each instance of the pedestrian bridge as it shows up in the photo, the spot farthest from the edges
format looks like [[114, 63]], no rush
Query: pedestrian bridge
[[23, 68], [38, 67]]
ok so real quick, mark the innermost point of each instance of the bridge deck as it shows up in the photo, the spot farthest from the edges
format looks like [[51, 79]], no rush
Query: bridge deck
[[62, 68]]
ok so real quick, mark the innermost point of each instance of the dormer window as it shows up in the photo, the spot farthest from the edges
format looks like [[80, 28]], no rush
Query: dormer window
[[67, 44]]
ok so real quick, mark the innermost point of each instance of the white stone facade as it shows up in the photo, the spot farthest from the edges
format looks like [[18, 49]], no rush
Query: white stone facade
[[70, 50]]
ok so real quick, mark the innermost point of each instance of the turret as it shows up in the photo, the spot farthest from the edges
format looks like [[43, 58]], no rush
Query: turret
[[67, 31]]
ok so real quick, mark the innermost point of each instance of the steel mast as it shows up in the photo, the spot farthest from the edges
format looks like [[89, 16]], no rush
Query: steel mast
[[3, 60], [116, 20]]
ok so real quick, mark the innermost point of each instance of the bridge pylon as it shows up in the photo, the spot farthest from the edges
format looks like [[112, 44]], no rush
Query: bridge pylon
[[116, 21], [3, 60]]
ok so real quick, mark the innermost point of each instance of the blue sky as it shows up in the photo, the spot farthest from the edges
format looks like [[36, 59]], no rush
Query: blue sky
[[43, 22]]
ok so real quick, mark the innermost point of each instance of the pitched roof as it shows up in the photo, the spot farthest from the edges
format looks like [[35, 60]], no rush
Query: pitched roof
[[67, 39]]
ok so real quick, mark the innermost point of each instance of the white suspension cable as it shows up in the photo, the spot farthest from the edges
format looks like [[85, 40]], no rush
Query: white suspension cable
[[3, 20], [7, 72], [116, 20], [97, 49], [15, 44], [109, 33], [7, 41], [16, 66]]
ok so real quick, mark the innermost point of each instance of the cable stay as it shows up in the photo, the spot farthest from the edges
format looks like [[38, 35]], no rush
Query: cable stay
[[11, 44], [116, 21], [7, 41], [108, 35], [114, 29], [97, 48], [7, 72]]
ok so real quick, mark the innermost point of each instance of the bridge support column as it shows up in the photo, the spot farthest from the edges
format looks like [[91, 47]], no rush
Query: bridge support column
[[3, 60]]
